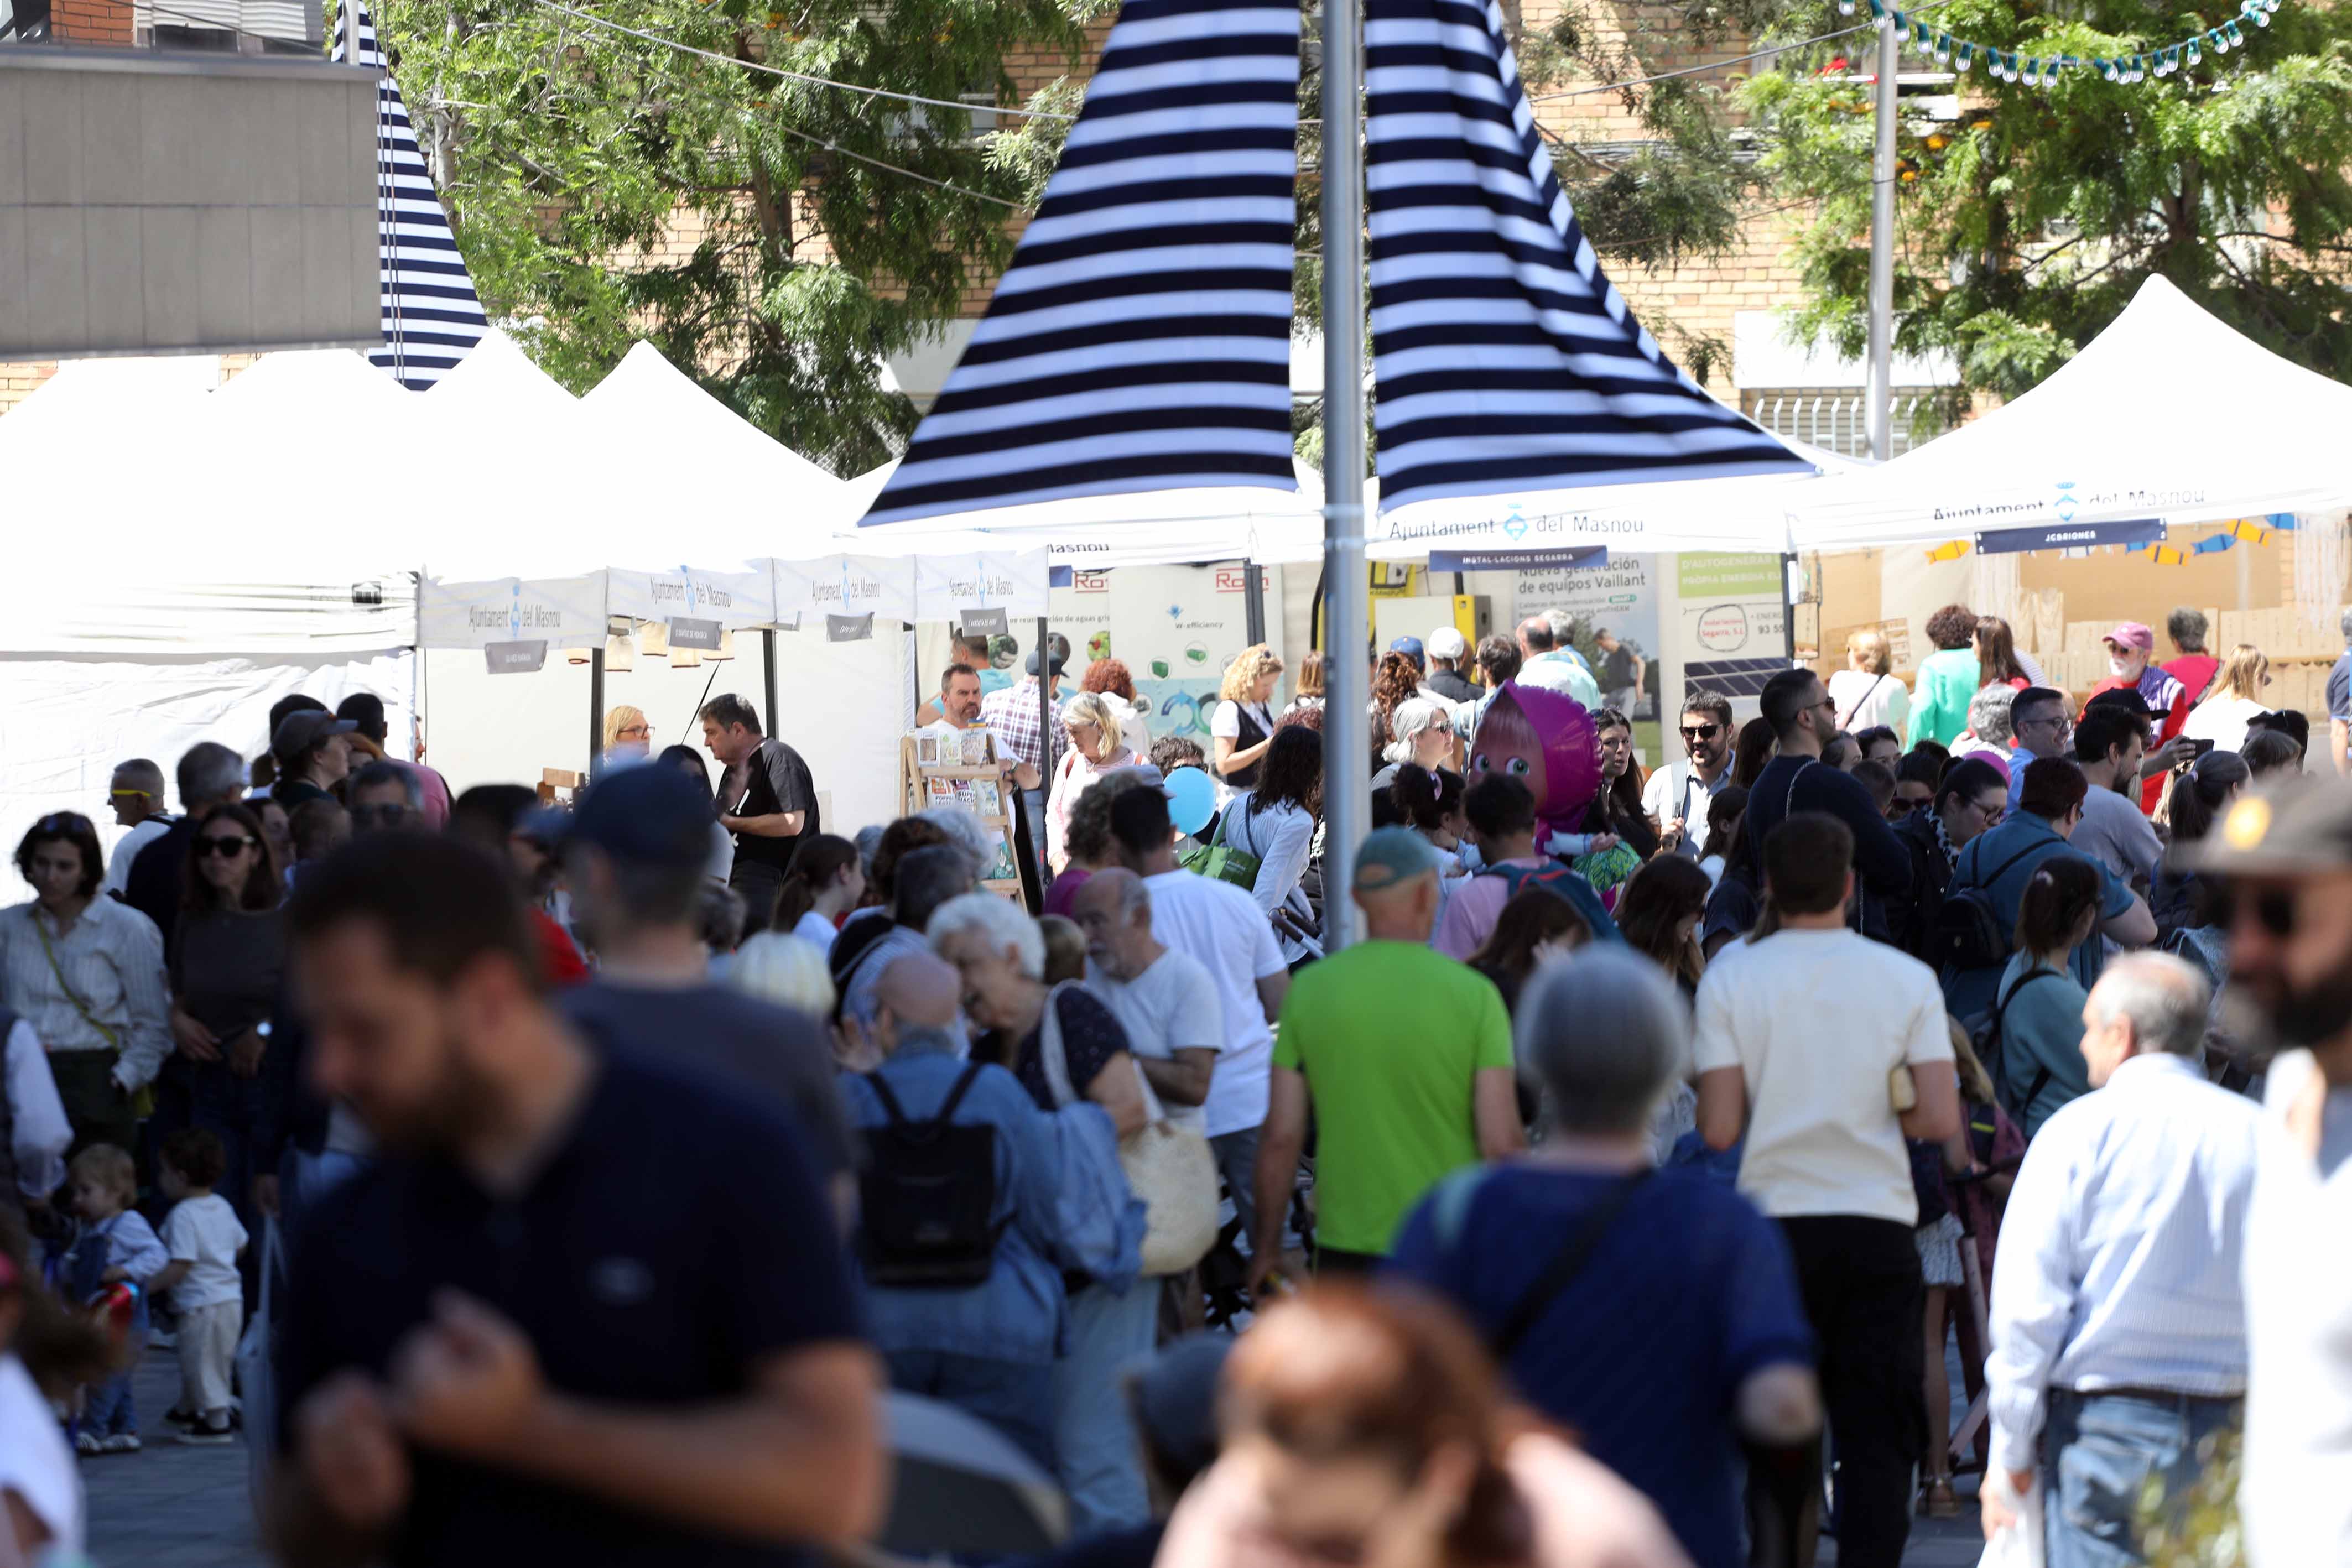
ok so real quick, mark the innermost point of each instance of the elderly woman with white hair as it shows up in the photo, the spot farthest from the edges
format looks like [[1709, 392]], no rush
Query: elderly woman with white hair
[[1659, 1318], [1063, 1045], [1424, 728], [1096, 747]]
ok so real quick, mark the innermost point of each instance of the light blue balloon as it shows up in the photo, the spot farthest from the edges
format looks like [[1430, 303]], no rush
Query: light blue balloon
[[1192, 799]]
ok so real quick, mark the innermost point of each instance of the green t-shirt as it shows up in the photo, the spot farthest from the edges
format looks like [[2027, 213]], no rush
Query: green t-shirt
[[1389, 1035]]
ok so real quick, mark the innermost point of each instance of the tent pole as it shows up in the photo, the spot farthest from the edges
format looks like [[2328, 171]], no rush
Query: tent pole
[[1880, 413], [768, 662], [595, 709], [1347, 745], [1252, 605]]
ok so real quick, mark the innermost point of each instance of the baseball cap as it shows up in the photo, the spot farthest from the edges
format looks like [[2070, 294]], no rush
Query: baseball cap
[[298, 731], [1061, 657], [2128, 698], [1445, 643], [1390, 856], [646, 816], [2132, 634], [2300, 831], [1408, 646]]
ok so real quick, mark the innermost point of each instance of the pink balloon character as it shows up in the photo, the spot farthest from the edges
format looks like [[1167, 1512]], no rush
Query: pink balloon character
[[1546, 740]]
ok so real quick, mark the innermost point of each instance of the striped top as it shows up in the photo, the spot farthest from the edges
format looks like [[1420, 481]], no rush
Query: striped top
[[1140, 340], [113, 960], [1505, 360], [431, 315], [2120, 1253]]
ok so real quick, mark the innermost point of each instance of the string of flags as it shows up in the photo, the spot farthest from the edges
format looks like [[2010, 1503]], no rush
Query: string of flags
[[2252, 530], [2043, 70]]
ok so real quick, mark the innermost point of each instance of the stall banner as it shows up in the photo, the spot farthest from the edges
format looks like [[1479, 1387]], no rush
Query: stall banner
[[878, 585], [948, 583], [1175, 627], [1733, 620], [564, 612], [729, 599], [1620, 594]]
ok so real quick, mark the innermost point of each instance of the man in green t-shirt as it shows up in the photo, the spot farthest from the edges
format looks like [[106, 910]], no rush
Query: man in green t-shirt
[[1405, 1056]]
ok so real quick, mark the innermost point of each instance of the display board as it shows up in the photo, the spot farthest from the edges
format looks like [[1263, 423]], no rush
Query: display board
[[1174, 627], [962, 768]]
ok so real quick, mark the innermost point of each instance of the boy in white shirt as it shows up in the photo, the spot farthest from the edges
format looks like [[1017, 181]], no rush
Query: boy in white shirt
[[204, 1237]]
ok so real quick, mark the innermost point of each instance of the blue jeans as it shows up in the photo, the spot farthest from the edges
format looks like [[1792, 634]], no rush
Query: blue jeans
[[2100, 1450], [1101, 1468], [1015, 1397]]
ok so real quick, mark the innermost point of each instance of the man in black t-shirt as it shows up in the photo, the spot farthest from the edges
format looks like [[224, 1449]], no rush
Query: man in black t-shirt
[[766, 799], [586, 1310], [1799, 709], [633, 855]]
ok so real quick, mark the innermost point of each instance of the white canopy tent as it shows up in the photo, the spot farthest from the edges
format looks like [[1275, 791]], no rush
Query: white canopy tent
[[2167, 415]]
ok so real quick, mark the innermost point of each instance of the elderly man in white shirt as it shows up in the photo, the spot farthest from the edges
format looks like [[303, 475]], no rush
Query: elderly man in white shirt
[[2118, 1321]]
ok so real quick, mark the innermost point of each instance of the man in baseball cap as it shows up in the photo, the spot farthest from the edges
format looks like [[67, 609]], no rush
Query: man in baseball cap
[[1411, 648], [2129, 648], [2285, 862], [1448, 649], [1403, 1055], [312, 755]]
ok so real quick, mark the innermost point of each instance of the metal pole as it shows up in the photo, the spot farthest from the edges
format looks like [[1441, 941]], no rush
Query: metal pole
[[595, 709], [1252, 605], [1044, 745], [1880, 411], [1347, 743], [768, 662]]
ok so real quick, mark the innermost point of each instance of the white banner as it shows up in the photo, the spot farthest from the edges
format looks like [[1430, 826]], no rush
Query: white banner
[[878, 585], [733, 599], [564, 612], [948, 583]]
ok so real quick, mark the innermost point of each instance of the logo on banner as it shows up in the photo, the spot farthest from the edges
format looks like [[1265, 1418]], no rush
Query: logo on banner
[[1515, 525], [514, 614], [1090, 582], [1723, 628], [2066, 501]]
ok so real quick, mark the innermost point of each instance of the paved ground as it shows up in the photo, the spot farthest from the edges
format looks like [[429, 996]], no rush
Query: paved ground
[[174, 1507]]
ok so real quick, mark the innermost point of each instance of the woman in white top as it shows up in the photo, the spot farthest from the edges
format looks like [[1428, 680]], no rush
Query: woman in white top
[[2233, 700], [1866, 692], [1309, 693], [1241, 727], [1095, 750], [1276, 823], [825, 882]]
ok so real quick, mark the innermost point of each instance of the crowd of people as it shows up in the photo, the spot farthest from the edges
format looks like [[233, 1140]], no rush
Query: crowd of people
[[616, 1155]]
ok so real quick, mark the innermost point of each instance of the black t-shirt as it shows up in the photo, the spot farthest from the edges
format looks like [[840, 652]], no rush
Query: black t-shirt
[[1881, 864], [738, 1038], [1617, 670], [152, 888], [1090, 1037], [768, 783], [1454, 687], [674, 1242], [296, 793]]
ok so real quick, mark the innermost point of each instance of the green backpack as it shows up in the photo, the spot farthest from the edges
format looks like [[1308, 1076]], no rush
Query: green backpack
[[1219, 859]]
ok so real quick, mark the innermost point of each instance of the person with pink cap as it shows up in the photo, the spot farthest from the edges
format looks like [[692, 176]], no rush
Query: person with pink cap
[[2130, 647]]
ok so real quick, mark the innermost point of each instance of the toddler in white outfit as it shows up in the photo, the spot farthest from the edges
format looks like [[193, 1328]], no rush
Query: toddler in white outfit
[[204, 1237]]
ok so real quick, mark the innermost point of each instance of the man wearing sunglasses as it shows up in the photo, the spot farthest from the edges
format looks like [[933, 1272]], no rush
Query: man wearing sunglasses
[[2284, 861], [1677, 795], [1804, 719], [136, 796]]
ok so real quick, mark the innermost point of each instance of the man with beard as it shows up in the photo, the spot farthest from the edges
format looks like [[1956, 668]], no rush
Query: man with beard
[[1677, 795], [584, 1310], [2129, 648], [2288, 859]]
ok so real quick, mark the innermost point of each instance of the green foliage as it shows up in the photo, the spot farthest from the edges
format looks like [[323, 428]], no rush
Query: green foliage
[[2028, 225], [568, 150]]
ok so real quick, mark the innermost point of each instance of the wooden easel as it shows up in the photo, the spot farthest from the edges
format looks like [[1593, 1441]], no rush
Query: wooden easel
[[969, 785]]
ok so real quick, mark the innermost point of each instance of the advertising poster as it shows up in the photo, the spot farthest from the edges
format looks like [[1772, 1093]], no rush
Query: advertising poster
[[1175, 627], [1734, 624], [1619, 597]]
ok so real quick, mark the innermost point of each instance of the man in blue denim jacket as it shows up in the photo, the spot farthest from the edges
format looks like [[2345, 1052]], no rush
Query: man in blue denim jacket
[[987, 1349]]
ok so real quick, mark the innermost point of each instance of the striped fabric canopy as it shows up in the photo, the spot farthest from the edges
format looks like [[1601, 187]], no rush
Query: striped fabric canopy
[[1140, 340], [431, 315], [1503, 359]]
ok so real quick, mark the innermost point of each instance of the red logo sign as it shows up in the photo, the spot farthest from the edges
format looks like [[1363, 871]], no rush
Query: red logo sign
[[1090, 582]]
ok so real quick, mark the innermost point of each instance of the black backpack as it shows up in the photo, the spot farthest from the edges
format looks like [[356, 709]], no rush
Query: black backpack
[[1985, 1038], [1967, 932], [928, 1193]]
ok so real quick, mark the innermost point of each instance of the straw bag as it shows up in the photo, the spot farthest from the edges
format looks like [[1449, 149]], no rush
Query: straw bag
[[1170, 1168]]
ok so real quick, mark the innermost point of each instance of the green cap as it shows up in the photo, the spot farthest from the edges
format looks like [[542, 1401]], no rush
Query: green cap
[[1390, 857]]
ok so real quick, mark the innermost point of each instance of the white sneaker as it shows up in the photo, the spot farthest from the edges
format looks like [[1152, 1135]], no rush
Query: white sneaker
[[122, 1443], [88, 1443]]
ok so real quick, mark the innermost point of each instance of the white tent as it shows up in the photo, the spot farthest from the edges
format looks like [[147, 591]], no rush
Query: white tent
[[2167, 415]]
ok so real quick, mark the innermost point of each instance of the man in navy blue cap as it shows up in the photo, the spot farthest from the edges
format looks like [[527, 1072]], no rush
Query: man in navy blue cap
[[633, 854]]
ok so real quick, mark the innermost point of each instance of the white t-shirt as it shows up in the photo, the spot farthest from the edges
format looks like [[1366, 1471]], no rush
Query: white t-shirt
[[1224, 931], [36, 1463], [204, 1232], [1670, 788], [1817, 1021], [815, 927], [1171, 1007], [2222, 721], [127, 848]]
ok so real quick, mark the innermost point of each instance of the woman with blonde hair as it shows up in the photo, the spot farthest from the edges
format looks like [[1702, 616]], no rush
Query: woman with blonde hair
[[1095, 748], [1242, 724], [626, 733], [1867, 692], [1309, 693], [2233, 700], [1116, 682]]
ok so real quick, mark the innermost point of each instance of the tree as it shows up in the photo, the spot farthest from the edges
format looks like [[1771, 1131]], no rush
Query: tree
[[2024, 227], [569, 154]]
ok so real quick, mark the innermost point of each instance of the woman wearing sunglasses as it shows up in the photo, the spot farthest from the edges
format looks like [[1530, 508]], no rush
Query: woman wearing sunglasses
[[228, 958]]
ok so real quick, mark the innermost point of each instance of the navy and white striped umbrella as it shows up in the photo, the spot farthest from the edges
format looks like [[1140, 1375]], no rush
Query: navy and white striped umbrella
[[431, 314], [1140, 340], [1503, 358]]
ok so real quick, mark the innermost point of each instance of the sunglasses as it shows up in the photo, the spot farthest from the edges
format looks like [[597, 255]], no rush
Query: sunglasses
[[222, 845], [130, 794], [1701, 731]]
